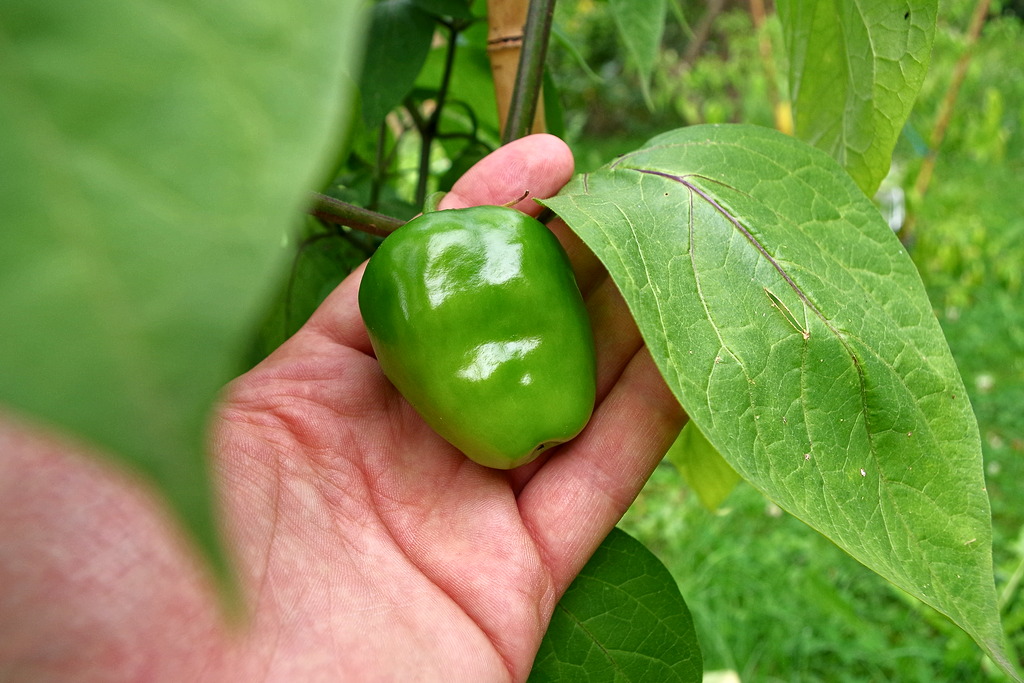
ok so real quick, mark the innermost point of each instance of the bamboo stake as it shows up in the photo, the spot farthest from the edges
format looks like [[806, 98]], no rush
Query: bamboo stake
[[506, 21]]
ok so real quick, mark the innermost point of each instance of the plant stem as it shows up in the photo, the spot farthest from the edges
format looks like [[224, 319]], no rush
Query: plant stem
[[945, 115], [428, 128], [342, 213], [380, 166], [426, 143], [530, 75], [1010, 589], [702, 31], [505, 21], [781, 110]]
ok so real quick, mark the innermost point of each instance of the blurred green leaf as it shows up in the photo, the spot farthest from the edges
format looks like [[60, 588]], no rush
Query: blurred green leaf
[[622, 619], [554, 115], [559, 36], [154, 156], [702, 466], [397, 44], [321, 261], [641, 26], [795, 331], [458, 9], [471, 87], [855, 68]]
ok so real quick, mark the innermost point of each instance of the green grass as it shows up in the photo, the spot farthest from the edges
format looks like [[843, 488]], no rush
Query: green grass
[[775, 601]]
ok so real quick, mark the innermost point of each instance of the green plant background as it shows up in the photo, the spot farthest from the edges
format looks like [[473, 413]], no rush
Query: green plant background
[[773, 601]]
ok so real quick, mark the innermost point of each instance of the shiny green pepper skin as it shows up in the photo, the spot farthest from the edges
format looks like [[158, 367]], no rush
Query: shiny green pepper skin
[[475, 317]]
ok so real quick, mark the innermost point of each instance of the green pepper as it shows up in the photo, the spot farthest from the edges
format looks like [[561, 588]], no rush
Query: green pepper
[[475, 317]]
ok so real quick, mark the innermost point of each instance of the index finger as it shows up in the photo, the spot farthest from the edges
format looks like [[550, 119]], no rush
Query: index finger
[[536, 164]]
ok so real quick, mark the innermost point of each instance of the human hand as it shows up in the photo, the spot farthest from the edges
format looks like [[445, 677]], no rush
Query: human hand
[[368, 547]]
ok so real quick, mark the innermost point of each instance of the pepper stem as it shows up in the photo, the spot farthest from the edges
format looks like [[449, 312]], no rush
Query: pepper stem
[[524, 195]]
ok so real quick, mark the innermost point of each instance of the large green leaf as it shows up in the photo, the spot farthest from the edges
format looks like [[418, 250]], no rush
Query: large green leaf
[[855, 68], [795, 331], [622, 619], [154, 155]]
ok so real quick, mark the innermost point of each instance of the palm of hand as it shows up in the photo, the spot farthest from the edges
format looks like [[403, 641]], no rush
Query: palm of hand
[[370, 549]]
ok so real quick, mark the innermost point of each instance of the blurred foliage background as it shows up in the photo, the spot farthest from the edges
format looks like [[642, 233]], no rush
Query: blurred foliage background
[[772, 600]]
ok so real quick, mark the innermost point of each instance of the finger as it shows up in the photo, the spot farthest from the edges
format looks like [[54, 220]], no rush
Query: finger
[[538, 164], [573, 502], [588, 269], [617, 338], [616, 341], [338, 318]]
